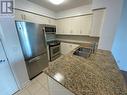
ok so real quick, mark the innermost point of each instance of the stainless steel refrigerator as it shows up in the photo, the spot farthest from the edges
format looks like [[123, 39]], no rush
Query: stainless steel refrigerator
[[33, 43]]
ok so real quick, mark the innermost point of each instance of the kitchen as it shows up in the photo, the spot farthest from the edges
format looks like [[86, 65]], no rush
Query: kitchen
[[81, 41]]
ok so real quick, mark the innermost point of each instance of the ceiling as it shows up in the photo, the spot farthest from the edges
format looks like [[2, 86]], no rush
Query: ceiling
[[68, 4]]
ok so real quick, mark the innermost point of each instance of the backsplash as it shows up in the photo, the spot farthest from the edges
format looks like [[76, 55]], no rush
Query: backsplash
[[78, 38], [50, 37]]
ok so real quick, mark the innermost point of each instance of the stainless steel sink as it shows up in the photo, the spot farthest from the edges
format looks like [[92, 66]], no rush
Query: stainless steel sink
[[83, 52]]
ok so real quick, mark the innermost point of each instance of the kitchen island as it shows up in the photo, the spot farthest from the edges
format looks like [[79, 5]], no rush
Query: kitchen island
[[96, 75]]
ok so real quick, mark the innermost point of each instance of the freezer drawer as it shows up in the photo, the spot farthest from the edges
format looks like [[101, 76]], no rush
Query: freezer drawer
[[37, 65]]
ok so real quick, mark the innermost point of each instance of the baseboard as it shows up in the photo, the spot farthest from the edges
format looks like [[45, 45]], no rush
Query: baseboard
[[25, 84], [124, 73]]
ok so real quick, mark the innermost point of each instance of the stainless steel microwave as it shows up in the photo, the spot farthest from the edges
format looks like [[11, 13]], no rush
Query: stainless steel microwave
[[50, 28]]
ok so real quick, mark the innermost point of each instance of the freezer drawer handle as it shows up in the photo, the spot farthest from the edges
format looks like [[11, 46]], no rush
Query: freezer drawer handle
[[34, 59]]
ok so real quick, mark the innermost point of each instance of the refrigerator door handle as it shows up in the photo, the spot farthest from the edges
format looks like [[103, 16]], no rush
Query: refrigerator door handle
[[34, 59]]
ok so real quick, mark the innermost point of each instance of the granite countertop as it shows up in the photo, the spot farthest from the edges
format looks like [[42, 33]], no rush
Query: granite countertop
[[96, 75]]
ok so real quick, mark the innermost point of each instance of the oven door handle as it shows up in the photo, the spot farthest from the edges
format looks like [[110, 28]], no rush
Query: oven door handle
[[54, 45]]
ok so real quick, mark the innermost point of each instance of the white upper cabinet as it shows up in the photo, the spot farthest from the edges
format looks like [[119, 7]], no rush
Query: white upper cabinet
[[85, 24], [88, 25], [19, 15], [25, 16], [67, 30], [59, 27], [97, 22], [80, 25], [74, 25]]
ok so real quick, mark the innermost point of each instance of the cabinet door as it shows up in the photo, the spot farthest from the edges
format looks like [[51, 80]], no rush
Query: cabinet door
[[85, 24], [51, 21], [64, 48], [97, 22], [19, 15], [35, 18], [75, 25], [66, 26], [24, 16], [73, 46], [31, 17], [7, 82], [60, 29], [67, 47]]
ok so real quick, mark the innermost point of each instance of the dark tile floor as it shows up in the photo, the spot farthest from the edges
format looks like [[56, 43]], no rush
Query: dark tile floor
[[125, 75]]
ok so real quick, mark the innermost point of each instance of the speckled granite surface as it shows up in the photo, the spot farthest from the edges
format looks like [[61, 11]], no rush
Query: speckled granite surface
[[96, 75]]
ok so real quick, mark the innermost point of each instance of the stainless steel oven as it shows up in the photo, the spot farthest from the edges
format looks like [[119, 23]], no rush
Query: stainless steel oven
[[54, 50], [53, 44]]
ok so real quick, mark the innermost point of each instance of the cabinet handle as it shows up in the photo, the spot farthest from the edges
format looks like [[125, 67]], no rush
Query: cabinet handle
[[24, 16], [49, 21], [80, 32], [71, 31]]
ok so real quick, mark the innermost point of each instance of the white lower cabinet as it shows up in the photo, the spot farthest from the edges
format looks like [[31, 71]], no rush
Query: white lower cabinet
[[67, 47]]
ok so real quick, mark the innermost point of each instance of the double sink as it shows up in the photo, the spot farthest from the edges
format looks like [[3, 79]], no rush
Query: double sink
[[85, 52]]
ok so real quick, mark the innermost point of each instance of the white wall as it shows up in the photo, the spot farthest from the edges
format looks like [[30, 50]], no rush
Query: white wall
[[31, 7], [14, 53], [75, 11], [112, 16], [119, 49]]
